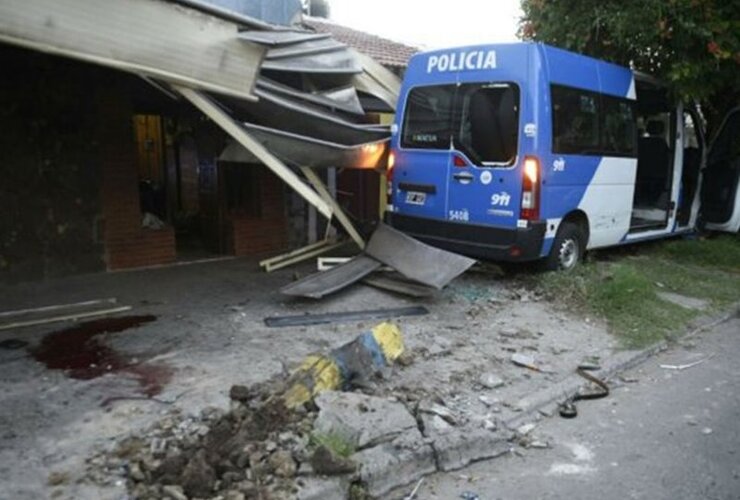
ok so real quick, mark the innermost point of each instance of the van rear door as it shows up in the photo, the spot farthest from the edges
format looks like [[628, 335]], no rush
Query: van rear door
[[423, 160], [483, 187]]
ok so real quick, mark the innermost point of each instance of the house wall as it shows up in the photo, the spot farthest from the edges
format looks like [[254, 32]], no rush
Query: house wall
[[49, 175], [127, 243], [261, 231]]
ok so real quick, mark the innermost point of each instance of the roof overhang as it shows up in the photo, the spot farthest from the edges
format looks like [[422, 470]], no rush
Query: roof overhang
[[155, 38]]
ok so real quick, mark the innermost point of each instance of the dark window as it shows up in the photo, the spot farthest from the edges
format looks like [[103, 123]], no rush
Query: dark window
[[428, 118], [481, 120], [575, 121], [490, 123], [619, 126], [589, 123]]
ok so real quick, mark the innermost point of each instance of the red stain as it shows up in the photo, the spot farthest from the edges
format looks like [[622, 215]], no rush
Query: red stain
[[84, 355]]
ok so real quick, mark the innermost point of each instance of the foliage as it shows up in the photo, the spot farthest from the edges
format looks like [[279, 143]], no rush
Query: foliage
[[335, 443], [694, 44]]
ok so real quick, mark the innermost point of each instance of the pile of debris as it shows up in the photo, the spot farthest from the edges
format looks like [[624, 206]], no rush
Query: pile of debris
[[254, 450]]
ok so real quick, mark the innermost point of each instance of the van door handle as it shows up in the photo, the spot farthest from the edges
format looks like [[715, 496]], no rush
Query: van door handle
[[463, 177]]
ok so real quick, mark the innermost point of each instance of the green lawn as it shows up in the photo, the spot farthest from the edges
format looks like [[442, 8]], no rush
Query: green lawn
[[624, 288]]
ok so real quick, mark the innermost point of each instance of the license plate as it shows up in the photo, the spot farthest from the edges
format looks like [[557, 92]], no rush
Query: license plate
[[414, 198]]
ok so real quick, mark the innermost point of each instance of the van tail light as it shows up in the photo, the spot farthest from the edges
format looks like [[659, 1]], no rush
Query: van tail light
[[531, 179], [389, 174], [459, 161]]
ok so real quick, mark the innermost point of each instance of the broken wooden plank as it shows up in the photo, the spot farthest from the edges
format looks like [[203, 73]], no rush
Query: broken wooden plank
[[67, 317], [57, 307]]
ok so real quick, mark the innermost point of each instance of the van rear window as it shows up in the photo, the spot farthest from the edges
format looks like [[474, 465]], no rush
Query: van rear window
[[481, 120]]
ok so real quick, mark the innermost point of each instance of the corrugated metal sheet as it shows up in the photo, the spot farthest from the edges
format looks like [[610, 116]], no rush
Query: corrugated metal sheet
[[304, 151], [301, 118], [342, 99]]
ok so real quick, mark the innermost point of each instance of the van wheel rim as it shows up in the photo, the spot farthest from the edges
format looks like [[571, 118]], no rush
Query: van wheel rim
[[568, 254]]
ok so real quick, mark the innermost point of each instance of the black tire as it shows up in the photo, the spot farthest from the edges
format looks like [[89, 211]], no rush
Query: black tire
[[568, 248]]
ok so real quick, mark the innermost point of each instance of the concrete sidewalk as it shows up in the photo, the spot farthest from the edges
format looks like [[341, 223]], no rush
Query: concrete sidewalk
[[209, 334]]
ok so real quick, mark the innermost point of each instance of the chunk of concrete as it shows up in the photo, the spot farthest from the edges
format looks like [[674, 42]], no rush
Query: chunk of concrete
[[684, 301], [457, 449], [391, 465], [491, 381], [321, 488], [361, 420]]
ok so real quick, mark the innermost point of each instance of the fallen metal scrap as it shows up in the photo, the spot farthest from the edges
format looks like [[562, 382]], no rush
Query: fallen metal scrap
[[426, 267], [416, 260], [343, 317], [321, 284]]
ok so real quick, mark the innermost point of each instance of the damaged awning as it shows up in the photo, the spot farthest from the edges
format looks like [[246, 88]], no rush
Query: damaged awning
[[148, 37], [290, 98], [298, 150]]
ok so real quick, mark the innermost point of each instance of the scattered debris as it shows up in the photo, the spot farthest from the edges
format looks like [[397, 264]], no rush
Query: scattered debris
[[688, 365], [416, 261], [567, 409], [469, 495], [441, 411], [413, 493], [706, 431], [326, 263], [524, 361], [344, 317], [526, 429], [491, 381]]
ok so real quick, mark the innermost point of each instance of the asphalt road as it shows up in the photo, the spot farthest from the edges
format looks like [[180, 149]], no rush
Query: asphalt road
[[665, 434]]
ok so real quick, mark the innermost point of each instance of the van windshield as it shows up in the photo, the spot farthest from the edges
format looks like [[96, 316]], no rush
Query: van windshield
[[481, 120]]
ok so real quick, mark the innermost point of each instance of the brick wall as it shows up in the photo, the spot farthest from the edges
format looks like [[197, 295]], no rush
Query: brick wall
[[127, 244], [267, 231], [49, 172]]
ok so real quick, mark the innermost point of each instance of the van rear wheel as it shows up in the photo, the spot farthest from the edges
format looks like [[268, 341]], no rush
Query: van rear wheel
[[567, 249]]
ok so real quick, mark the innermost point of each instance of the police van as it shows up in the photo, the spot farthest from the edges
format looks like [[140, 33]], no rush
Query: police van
[[520, 152]]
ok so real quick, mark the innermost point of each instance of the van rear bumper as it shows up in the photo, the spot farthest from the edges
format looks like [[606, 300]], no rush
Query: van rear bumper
[[483, 242]]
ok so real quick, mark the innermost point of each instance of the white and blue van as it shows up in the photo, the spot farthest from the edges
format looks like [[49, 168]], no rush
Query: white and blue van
[[520, 152]]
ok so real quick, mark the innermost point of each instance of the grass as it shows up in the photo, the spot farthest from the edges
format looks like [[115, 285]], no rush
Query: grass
[[335, 443], [625, 291]]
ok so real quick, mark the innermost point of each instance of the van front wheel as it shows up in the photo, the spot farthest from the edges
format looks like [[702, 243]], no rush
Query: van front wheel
[[567, 249]]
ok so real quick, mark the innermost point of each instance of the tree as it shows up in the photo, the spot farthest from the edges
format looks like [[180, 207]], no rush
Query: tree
[[693, 44], [317, 8]]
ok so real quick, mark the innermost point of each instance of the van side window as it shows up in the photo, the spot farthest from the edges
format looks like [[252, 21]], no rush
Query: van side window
[[575, 121], [619, 126], [590, 123]]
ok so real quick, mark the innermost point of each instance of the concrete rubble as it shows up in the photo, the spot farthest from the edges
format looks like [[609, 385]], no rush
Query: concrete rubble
[[455, 386]]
